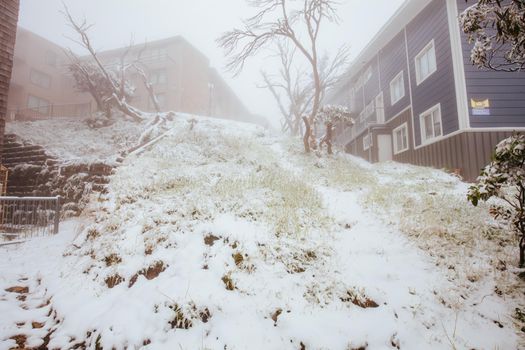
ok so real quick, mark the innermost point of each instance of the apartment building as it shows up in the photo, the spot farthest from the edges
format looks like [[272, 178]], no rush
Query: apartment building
[[181, 77], [8, 21], [418, 99]]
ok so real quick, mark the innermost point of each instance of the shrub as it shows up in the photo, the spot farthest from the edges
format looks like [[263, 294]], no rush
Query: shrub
[[504, 178]]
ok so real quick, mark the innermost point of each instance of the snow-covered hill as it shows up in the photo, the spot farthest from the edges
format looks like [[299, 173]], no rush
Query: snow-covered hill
[[222, 236]]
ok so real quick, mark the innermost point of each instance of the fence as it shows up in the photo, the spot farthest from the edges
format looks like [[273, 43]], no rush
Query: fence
[[79, 110], [26, 217]]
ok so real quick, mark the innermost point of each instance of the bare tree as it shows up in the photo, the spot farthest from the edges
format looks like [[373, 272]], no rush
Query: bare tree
[[263, 28], [291, 89], [117, 87], [146, 80]]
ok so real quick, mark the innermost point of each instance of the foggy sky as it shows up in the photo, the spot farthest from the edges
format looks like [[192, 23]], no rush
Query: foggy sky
[[200, 22]]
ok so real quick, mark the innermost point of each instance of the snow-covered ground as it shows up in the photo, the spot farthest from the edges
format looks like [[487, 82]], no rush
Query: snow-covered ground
[[70, 139], [222, 236]]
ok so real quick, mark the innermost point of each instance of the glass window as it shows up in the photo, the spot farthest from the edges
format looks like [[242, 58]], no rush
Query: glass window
[[158, 77], [38, 104], [400, 138], [40, 79], [380, 108], [397, 88], [431, 124], [426, 62], [367, 142]]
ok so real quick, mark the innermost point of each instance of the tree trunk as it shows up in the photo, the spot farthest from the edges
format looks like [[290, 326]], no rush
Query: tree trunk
[[328, 137], [306, 137], [522, 251]]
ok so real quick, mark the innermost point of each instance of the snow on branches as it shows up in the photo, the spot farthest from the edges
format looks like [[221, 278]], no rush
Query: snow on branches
[[497, 30], [504, 178], [335, 114], [330, 115]]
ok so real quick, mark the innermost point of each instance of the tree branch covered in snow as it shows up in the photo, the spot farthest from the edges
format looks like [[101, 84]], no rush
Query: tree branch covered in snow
[[116, 91], [330, 116], [497, 29], [504, 178]]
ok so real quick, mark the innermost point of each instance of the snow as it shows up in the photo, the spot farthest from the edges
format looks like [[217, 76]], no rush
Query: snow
[[217, 201], [71, 139]]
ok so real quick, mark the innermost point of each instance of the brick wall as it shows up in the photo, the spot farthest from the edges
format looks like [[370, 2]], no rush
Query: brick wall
[[8, 21]]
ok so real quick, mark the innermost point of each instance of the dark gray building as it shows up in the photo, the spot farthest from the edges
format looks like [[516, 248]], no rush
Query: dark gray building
[[419, 100]]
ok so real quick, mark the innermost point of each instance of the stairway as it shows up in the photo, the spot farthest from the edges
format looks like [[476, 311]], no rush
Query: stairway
[[33, 172]]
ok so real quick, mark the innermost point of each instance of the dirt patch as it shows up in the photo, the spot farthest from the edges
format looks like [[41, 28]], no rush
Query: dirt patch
[[180, 320], [113, 280], [275, 316], [150, 273], [238, 258], [228, 282], [210, 239], [37, 325], [358, 298], [205, 315], [112, 259], [20, 340], [18, 289]]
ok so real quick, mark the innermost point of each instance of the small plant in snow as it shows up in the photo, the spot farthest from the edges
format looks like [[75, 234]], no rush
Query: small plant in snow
[[331, 115], [504, 178]]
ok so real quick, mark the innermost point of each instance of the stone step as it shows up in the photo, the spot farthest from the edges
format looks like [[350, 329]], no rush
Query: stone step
[[12, 165], [24, 154], [15, 149], [28, 159]]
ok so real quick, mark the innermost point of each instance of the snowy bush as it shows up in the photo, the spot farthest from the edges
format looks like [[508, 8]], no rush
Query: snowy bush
[[330, 116], [335, 114], [504, 178], [498, 31]]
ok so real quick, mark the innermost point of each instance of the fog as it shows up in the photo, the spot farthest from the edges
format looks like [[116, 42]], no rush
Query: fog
[[200, 22]]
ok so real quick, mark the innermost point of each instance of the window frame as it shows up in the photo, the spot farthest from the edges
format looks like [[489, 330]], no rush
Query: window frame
[[380, 110], [46, 106], [370, 143], [399, 77], [428, 47], [35, 78], [394, 138], [158, 73], [430, 111]]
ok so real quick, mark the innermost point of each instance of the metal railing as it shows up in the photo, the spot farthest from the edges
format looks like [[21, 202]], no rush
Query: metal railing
[[78, 110], [26, 217]]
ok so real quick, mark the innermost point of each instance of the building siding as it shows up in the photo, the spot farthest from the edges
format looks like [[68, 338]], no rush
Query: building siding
[[8, 22], [392, 60], [505, 90], [432, 24]]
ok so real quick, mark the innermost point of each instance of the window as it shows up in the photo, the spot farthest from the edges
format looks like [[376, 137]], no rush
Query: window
[[40, 79], [397, 88], [38, 104], [400, 138], [369, 109], [158, 77], [158, 53], [363, 78], [367, 142], [430, 122], [380, 108], [425, 62]]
